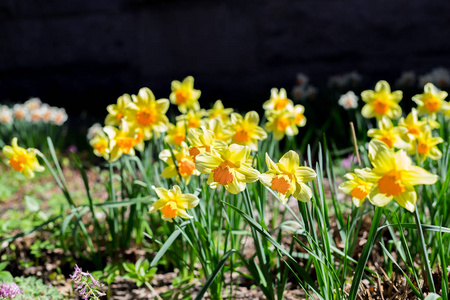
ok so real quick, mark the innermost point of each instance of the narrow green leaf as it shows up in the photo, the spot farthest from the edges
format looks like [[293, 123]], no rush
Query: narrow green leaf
[[214, 274]]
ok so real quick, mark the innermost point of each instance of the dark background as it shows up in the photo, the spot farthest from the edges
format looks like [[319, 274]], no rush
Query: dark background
[[83, 54]]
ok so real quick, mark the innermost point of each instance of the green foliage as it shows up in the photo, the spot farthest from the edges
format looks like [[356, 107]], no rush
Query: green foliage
[[34, 288], [140, 272]]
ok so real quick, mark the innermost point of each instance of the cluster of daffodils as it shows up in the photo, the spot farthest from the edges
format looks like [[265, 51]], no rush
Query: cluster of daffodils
[[217, 142], [303, 90], [33, 111], [412, 134], [393, 175], [283, 117]]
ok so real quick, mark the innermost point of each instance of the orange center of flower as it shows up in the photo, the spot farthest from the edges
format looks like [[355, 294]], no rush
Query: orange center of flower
[[381, 106], [20, 115], [181, 96], [432, 104], [222, 174], [125, 144], [391, 183], [18, 162], [282, 124], [179, 138], [193, 123], [281, 183], [280, 103], [146, 117], [360, 192], [422, 148], [242, 136], [170, 210], [413, 129], [298, 119], [388, 140], [186, 167], [101, 146], [119, 116]]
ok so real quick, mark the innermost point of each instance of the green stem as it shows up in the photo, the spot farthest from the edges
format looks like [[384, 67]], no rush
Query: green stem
[[366, 252], [424, 252]]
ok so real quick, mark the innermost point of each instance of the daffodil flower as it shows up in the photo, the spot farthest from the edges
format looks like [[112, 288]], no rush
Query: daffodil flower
[[425, 146], [288, 178], [390, 135], [219, 111], [356, 187], [184, 165], [117, 111], [381, 102], [245, 130], [176, 133], [184, 95], [431, 101], [412, 124], [230, 167], [217, 126], [202, 140], [281, 123], [193, 119], [393, 176], [22, 160], [173, 203], [299, 117], [121, 141], [147, 114], [100, 143], [278, 100]]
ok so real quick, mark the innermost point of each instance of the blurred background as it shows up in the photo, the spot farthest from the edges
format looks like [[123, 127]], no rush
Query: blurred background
[[82, 55]]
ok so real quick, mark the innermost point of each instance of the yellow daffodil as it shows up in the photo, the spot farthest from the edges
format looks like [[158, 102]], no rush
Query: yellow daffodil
[[219, 111], [217, 126], [390, 135], [299, 117], [393, 176], [184, 95], [176, 133], [278, 100], [202, 140], [412, 124], [185, 164], [147, 114], [245, 131], [431, 101], [173, 203], [193, 119], [356, 187], [425, 146], [22, 160], [287, 177], [381, 102], [121, 141], [230, 167], [117, 111], [100, 143], [280, 123]]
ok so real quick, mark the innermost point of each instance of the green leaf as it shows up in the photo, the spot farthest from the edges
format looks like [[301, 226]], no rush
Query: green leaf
[[433, 296], [32, 204], [166, 246], [214, 274]]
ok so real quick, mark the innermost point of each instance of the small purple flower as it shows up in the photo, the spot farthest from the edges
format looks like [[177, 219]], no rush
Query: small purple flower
[[9, 290], [350, 161], [86, 285]]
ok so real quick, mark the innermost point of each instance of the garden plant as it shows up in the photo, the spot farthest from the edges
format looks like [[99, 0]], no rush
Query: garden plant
[[224, 200]]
